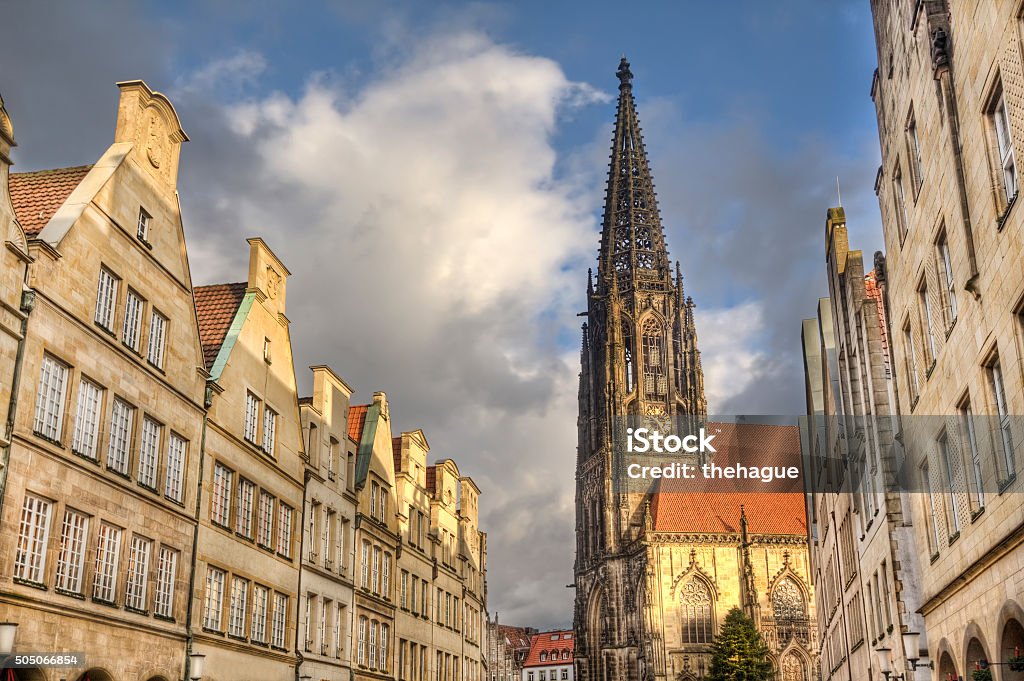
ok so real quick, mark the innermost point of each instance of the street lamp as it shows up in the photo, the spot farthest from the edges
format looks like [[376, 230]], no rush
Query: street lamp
[[7, 631], [912, 649], [885, 664], [195, 666]]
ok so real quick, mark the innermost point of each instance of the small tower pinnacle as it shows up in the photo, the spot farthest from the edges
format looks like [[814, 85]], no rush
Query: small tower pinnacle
[[624, 74]]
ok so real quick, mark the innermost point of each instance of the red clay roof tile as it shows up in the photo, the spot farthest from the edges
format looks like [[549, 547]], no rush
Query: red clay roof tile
[[716, 506], [548, 642], [216, 306], [37, 195], [356, 419]]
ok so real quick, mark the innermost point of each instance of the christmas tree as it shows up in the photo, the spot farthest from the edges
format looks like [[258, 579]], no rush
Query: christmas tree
[[739, 652]]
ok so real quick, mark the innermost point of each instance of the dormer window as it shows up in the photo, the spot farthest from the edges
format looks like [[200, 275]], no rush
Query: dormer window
[[142, 230]]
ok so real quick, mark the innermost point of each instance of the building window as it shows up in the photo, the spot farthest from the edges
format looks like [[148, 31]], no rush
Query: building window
[[108, 555], [122, 417], [361, 654], [328, 536], [945, 264], [933, 515], [655, 379], [49, 418], [269, 428], [953, 480], [900, 199], [925, 311], [243, 517], [175, 474], [149, 449], [375, 570], [1007, 467], [284, 530], [166, 573], [266, 350], [157, 339], [87, 419], [386, 576], [280, 618], [364, 566], [1004, 147], [385, 632], [372, 649], [260, 598], [71, 559], [374, 491], [695, 608], [910, 363], [238, 606], [220, 503], [629, 355], [137, 582], [970, 443], [106, 299], [252, 410], [131, 330], [142, 229], [33, 535], [265, 520], [214, 603], [914, 152]]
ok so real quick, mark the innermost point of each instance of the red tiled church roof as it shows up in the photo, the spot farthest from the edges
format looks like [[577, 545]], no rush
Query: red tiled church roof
[[550, 642], [216, 306], [715, 505], [431, 478], [356, 419], [37, 195], [515, 637]]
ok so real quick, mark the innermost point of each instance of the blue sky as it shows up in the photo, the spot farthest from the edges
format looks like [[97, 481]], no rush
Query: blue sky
[[432, 174]]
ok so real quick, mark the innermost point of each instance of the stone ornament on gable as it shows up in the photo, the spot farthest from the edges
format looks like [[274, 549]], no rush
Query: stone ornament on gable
[[273, 282]]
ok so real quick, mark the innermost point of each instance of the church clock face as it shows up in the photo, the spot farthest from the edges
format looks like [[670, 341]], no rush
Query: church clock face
[[655, 418]]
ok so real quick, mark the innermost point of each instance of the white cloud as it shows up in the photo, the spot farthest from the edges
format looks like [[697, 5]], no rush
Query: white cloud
[[436, 255], [729, 339]]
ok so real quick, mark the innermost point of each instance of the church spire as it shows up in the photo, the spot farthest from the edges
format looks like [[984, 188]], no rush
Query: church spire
[[632, 239]]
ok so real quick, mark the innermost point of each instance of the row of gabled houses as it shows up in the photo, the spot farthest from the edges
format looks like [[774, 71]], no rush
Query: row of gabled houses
[[170, 505]]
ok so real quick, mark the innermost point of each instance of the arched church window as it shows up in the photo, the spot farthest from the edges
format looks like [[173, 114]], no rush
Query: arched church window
[[697, 624], [655, 381], [677, 355], [793, 668], [630, 355], [788, 601]]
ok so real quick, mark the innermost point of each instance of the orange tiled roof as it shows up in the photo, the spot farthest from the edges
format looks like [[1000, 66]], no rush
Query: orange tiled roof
[[716, 506], [37, 195], [431, 478], [216, 306], [550, 642], [356, 419]]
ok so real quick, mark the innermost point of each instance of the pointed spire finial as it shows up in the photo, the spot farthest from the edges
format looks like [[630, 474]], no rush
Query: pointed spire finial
[[624, 74], [590, 281]]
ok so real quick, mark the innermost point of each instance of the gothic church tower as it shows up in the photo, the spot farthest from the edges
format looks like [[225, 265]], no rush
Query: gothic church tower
[[639, 357]]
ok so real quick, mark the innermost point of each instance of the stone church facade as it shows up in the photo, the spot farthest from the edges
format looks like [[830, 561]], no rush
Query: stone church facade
[[658, 568]]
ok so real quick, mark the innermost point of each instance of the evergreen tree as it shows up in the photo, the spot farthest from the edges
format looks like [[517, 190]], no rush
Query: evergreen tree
[[739, 653]]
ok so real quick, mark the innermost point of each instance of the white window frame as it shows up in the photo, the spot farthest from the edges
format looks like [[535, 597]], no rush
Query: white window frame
[[260, 605], [131, 329], [166, 575], [50, 396], [948, 281], [33, 538], [108, 558], [122, 423], [1004, 148], [85, 437], [970, 437], [137, 580], [238, 606], [280, 620], [149, 451], [213, 605], [246, 500], [998, 387], [284, 529], [251, 425], [142, 226], [265, 520], [174, 475], [158, 323], [269, 430], [220, 500], [74, 535], [106, 299]]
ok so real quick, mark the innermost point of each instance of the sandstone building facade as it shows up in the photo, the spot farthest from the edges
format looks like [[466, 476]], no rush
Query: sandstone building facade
[[166, 499], [949, 95], [658, 568], [865, 561]]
